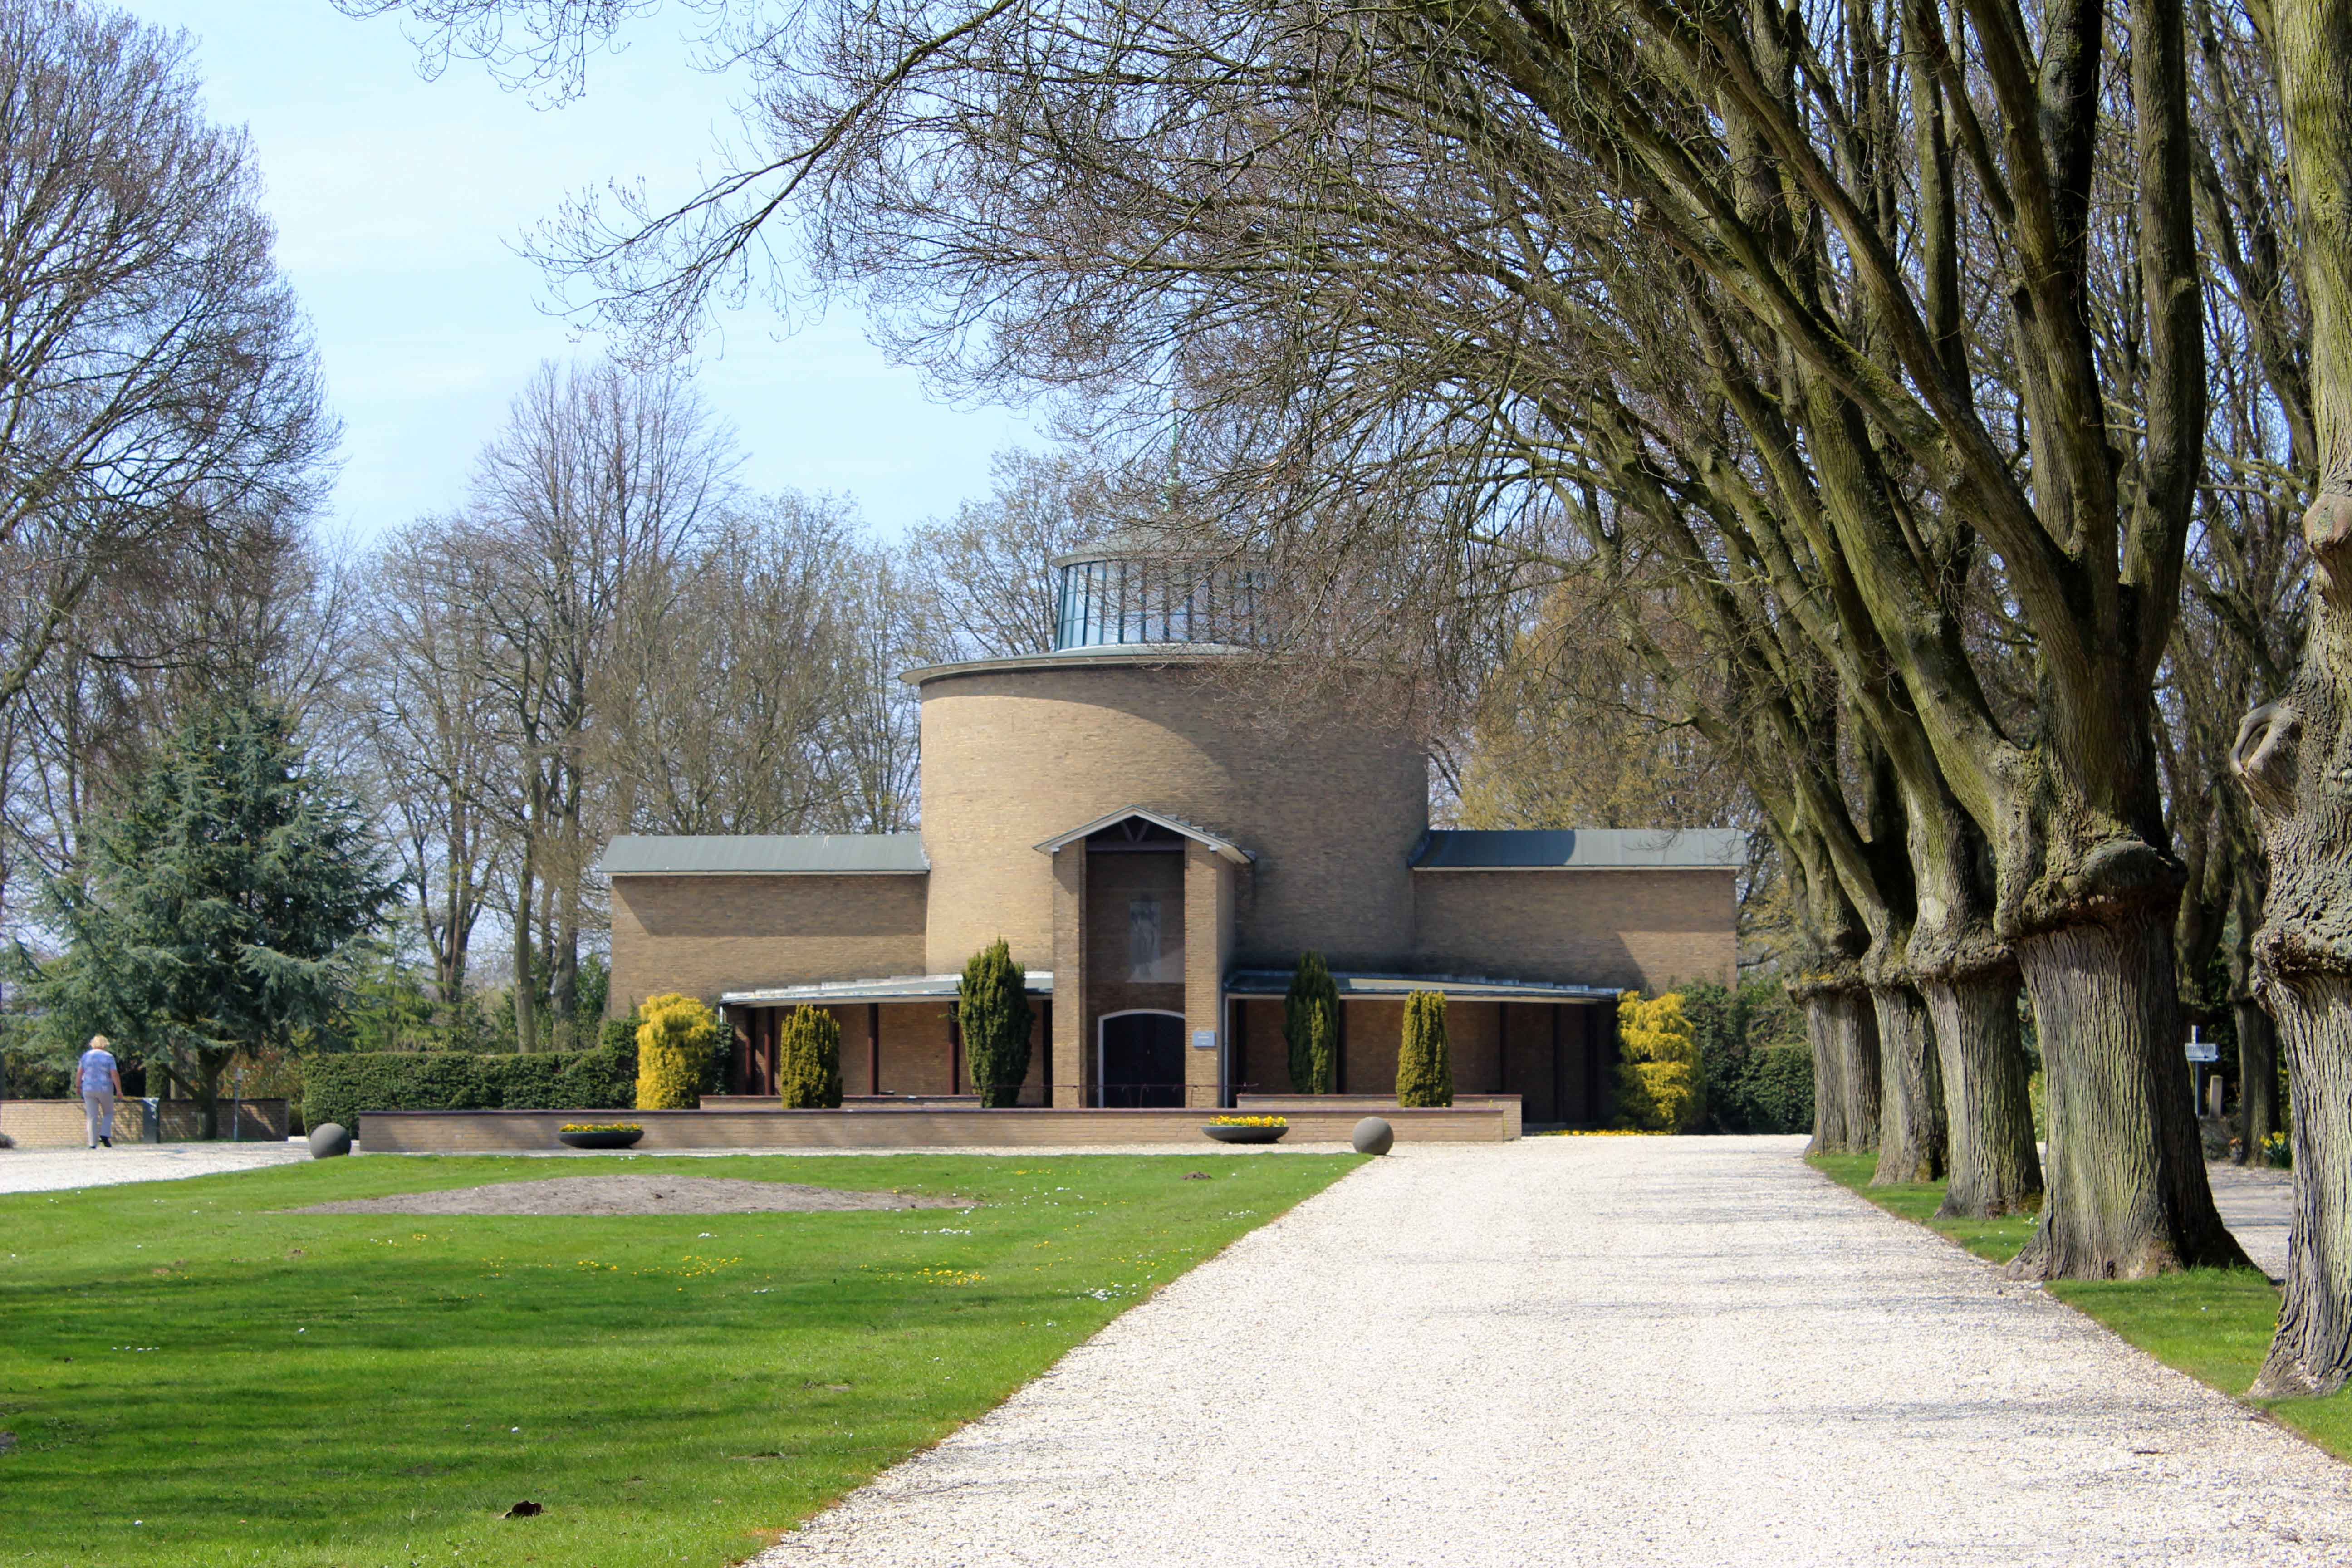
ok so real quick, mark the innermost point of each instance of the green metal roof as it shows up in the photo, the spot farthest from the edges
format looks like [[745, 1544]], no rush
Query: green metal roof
[[1465, 988], [1580, 849]]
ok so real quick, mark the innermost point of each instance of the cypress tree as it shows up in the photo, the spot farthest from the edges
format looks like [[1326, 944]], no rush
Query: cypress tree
[[1424, 1059], [993, 1011], [1310, 1027], [808, 1061]]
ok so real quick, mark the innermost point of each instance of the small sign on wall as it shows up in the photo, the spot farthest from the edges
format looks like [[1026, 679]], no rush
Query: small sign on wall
[[1204, 1039]]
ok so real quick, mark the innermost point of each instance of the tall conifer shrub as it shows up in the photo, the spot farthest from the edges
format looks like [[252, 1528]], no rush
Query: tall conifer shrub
[[676, 1033], [808, 1061], [1660, 1087], [993, 1011], [1310, 1027], [1424, 1059]]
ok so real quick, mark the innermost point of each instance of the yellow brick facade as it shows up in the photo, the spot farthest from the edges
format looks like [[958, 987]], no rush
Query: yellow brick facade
[[1292, 829], [704, 935]]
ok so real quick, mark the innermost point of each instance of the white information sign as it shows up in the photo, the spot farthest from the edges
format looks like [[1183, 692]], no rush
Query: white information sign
[[2204, 1051]]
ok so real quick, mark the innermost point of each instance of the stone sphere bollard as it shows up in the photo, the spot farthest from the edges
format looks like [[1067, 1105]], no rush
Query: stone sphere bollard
[[328, 1139], [1374, 1136]]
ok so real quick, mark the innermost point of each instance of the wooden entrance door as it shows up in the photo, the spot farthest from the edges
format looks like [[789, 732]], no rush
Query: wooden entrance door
[[1143, 1060]]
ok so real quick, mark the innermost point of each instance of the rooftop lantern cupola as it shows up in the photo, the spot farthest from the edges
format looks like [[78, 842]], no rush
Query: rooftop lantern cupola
[[1133, 588]]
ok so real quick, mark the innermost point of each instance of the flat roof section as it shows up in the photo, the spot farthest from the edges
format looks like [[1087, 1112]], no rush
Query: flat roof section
[[890, 988], [1580, 849], [766, 855], [1465, 988]]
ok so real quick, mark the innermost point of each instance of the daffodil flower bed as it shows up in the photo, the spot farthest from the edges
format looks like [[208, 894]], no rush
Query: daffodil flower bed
[[602, 1127], [1604, 1133], [1249, 1121]]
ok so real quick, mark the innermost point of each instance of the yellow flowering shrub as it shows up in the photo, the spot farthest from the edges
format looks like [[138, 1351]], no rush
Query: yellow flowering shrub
[[675, 1037], [1659, 1087]]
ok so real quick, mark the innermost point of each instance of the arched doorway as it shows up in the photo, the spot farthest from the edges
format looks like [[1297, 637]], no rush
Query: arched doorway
[[1142, 1060]]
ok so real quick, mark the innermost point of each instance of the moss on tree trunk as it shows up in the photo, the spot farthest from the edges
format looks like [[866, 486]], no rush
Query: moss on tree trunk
[[1992, 1164], [2126, 1196], [1911, 1100], [1843, 1035]]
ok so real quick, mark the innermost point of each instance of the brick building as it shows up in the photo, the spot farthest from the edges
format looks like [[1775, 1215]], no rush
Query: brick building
[[1157, 848]]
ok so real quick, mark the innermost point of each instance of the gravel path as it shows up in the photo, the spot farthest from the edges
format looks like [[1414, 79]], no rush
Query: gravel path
[[55, 1170], [1600, 1351], [2257, 1203]]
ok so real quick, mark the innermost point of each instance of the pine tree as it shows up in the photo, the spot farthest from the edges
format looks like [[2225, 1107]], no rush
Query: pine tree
[[1310, 1027], [1424, 1059], [993, 1011], [223, 907], [808, 1061]]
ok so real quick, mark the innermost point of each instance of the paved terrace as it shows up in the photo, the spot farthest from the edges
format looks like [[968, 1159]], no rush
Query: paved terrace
[[1619, 1351]]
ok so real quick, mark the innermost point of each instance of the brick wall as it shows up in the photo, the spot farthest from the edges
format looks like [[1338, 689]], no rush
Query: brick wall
[[1333, 798], [59, 1123], [912, 1127], [703, 935], [1645, 929]]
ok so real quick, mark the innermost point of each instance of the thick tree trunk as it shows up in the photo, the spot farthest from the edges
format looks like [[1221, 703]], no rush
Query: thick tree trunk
[[1830, 1133], [2127, 1196], [209, 1065], [526, 999], [1989, 1115], [2312, 1352], [1844, 1038], [2258, 1084], [2297, 756], [564, 991], [1911, 1100]]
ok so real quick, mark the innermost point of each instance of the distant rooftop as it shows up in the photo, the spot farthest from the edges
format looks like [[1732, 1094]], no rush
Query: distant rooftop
[[1580, 849], [889, 988], [766, 854]]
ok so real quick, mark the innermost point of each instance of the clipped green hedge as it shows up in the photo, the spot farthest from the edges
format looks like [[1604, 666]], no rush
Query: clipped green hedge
[[337, 1087]]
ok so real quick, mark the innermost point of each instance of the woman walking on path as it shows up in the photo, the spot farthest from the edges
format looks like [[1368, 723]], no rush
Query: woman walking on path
[[100, 1081]]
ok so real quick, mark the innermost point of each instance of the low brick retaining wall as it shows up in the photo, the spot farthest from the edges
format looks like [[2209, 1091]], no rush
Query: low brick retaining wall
[[256, 1120], [60, 1124], [1292, 1105], [492, 1131], [57, 1124]]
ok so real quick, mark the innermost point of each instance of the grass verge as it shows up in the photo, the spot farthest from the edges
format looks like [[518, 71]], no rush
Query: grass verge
[[2212, 1324], [194, 1378]]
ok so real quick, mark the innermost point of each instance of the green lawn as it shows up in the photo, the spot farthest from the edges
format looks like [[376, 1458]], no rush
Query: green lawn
[[192, 1378], [2212, 1324]]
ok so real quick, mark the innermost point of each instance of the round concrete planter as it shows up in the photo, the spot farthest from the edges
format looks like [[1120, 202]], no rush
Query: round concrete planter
[[1245, 1134], [602, 1140]]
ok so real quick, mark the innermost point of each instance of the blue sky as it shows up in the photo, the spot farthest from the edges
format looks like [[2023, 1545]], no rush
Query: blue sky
[[398, 202]]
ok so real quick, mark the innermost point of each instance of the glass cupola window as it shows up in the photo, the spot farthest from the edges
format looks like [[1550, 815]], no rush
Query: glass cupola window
[[1125, 591]]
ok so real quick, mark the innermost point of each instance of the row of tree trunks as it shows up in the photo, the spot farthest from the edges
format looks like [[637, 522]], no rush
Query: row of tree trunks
[[2126, 1196], [1911, 1097], [1994, 1168], [1844, 1033]]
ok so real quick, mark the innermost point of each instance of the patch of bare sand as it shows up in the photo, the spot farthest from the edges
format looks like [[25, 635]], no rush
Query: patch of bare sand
[[635, 1195]]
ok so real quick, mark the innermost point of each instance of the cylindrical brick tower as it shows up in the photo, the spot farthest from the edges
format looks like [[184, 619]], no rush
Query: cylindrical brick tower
[[1136, 707]]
